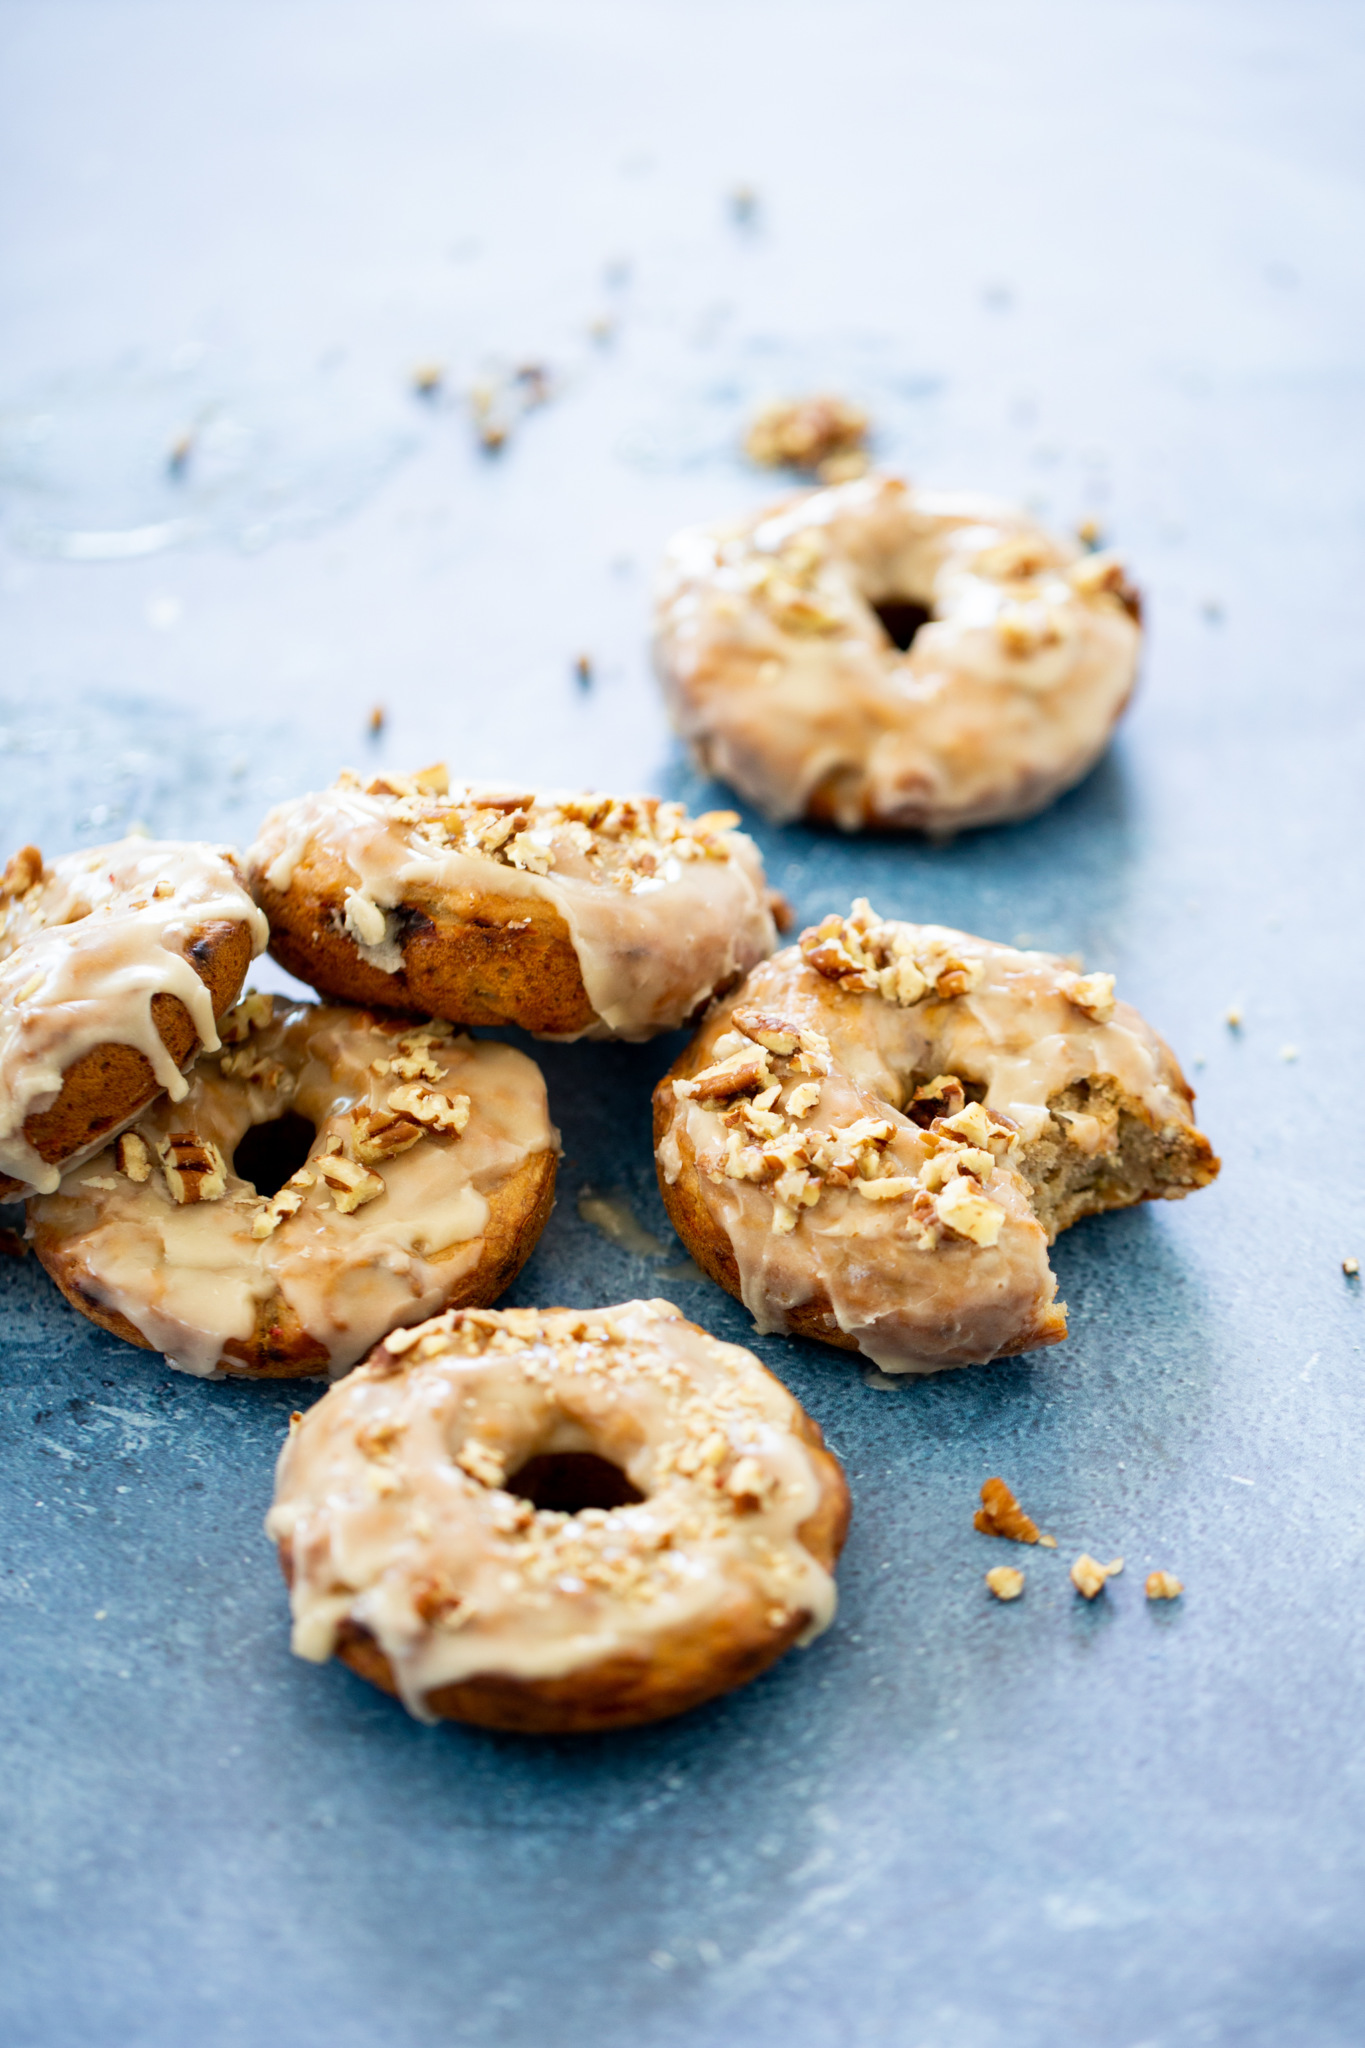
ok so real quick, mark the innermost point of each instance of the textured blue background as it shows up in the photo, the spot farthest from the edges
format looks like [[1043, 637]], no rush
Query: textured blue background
[[1106, 259]]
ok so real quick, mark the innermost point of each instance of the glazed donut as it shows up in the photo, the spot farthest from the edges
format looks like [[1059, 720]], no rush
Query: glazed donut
[[784, 645], [114, 966], [557, 1521], [423, 1170], [873, 1141], [572, 916]]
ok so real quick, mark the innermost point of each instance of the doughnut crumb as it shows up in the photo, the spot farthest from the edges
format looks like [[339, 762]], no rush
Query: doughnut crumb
[[1163, 1586], [1005, 1581]]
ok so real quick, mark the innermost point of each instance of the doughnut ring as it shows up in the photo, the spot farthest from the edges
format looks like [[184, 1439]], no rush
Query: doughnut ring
[[869, 654], [114, 966], [874, 1140], [557, 1521], [572, 916], [400, 1170]]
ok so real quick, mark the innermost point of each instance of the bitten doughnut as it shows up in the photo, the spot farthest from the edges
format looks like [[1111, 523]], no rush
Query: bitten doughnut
[[572, 916], [874, 1139], [401, 1169], [559, 1520], [785, 646], [114, 965]]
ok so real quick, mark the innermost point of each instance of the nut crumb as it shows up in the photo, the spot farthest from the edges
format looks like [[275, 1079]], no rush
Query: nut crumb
[[1001, 1515], [427, 379], [1090, 1577], [1351, 1268], [1163, 1586], [1005, 1581], [1233, 1018], [812, 434], [582, 669], [377, 718]]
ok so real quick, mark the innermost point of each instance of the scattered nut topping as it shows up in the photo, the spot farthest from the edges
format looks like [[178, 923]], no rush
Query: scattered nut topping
[[1101, 576], [625, 841], [811, 434], [903, 963], [1019, 559], [287, 1201], [163, 891], [352, 1185], [253, 1013], [132, 1157], [430, 1108], [382, 1134], [1093, 994], [1005, 1581], [941, 1097], [23, 871], [103, 1181], [749, 1483], [1163, 1586], [1026, 629], [764, 1144], [193, 1167], [1001, 1515], [1089, 1576], [480, 1462]]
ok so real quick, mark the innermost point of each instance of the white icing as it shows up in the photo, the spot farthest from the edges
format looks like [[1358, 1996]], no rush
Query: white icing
[[81, 957], [535, 1595], [651, 948], [192, 1277], [1006, 698]]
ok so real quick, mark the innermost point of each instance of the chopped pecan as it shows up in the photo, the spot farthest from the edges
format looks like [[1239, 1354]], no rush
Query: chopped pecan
[[430, 1108], [193, 1167], [23, 871], [382, 1134], [352, 1185], [943, 1096], [132, 1157]]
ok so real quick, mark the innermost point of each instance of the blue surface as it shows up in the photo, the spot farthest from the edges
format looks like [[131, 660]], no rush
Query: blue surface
[[1103, 259]]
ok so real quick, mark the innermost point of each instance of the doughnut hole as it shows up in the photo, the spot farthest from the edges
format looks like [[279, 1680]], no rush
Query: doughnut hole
[[901, 619], [569, 1481], [270, 1153]]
